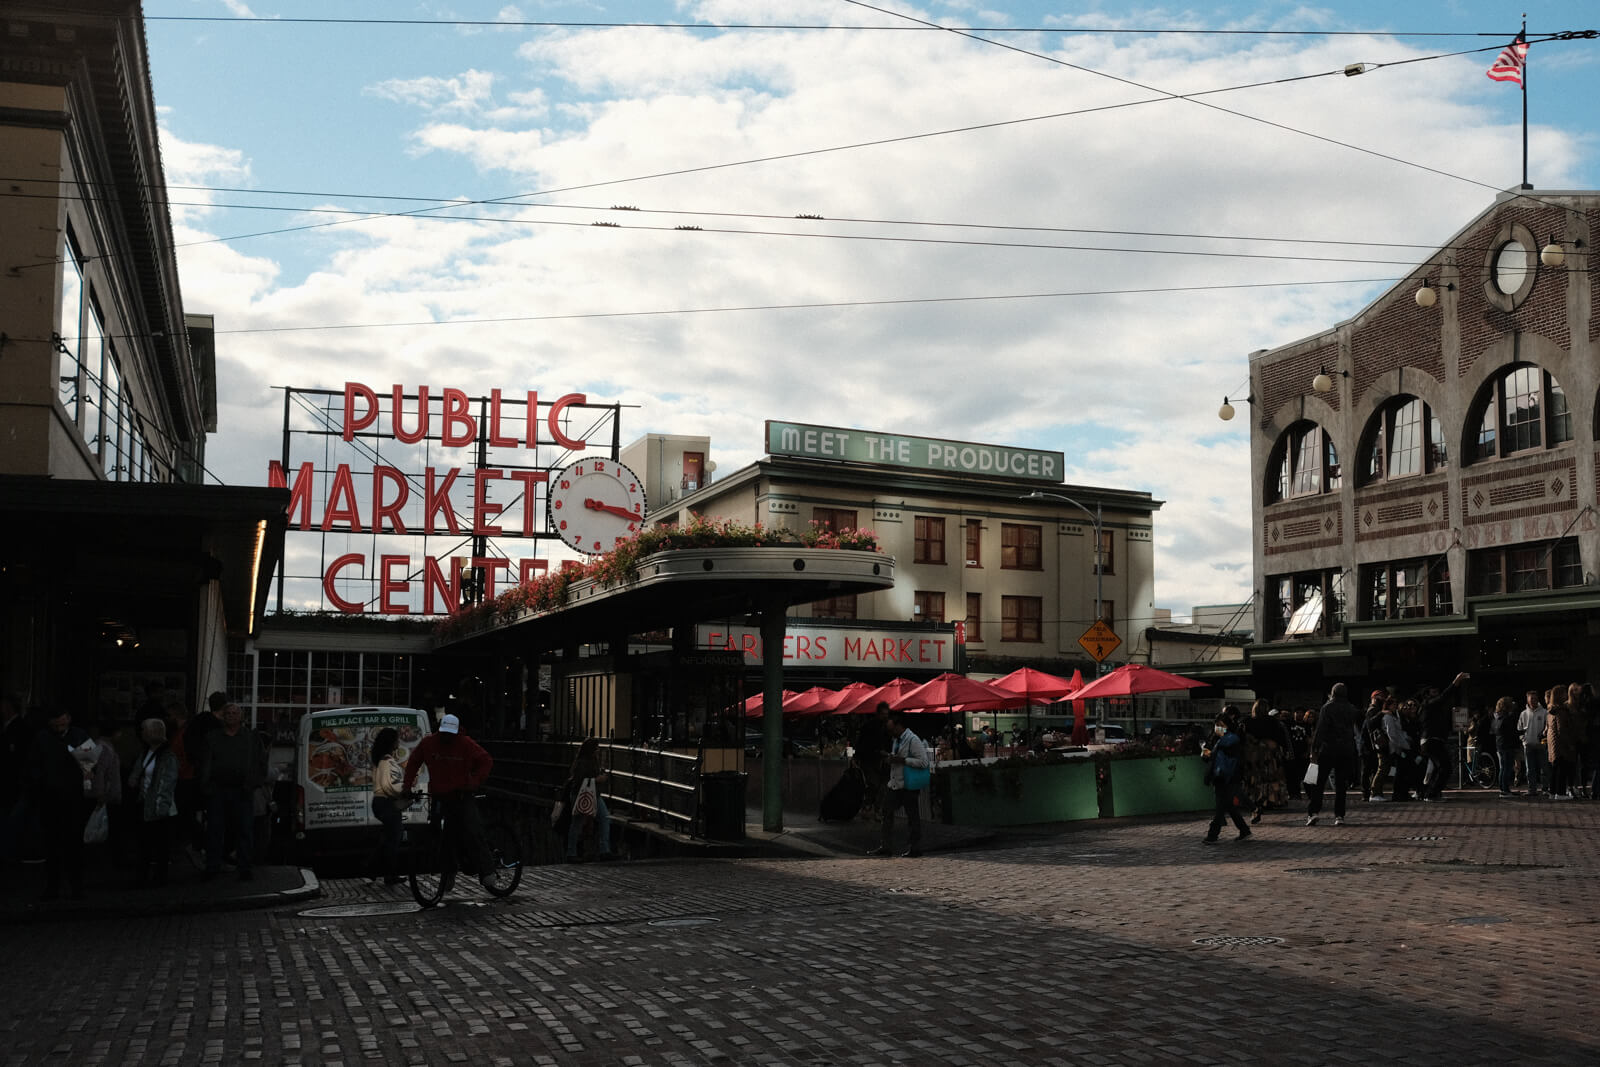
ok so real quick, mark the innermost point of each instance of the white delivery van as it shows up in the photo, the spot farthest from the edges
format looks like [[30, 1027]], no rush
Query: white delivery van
[[333, 775]]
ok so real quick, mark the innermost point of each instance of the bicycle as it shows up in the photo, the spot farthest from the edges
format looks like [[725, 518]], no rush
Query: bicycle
[[1480, 767], [434, 865]]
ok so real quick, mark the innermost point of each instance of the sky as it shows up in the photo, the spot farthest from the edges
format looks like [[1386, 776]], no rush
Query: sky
[[1024, 239]]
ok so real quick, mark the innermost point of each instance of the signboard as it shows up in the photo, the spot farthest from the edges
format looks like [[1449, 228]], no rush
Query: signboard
[[843, 648], [412, 500], [913, 453], [1100, 640], [335, 762]]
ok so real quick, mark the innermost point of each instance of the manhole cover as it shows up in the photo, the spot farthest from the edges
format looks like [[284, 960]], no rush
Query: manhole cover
[[1232, 941], [1329, 870], [1478, 920], [1426, 837], [693, 920], [351, 911]]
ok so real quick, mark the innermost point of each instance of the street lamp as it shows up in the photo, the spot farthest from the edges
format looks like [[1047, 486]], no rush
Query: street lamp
[[1099, 579]]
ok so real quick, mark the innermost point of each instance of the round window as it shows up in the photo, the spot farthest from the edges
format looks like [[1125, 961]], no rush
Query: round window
[[1510, 267]]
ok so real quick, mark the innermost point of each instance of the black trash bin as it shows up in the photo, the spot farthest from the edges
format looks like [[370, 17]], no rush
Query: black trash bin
[[722, 805]]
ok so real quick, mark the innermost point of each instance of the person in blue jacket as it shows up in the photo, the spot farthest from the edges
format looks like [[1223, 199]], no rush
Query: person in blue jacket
[[1225, 751]]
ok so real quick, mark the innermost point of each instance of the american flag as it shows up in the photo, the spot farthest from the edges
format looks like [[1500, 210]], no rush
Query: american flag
[[1507, 66]]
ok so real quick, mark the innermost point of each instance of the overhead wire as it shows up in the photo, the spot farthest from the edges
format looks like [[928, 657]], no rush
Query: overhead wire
[[812, 235], [597, 25], [802, 306], [1194, 97], [517, 199]]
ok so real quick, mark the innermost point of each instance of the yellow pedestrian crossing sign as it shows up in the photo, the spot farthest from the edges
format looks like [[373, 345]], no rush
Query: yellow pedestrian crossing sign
[[1100, 640]]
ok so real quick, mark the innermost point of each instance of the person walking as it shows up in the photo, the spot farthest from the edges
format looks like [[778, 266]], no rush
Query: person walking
[[388, 806], [1535, 758], [1265, 745], [872, 754], [909, 770], [153, 782], [233, 766], [1333, 748], [594, 824], [1224, 755], [59, 786], [1438, 723]]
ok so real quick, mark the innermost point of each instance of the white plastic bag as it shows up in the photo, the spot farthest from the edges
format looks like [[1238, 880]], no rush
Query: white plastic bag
[[1311, 774], [585, 802], [98, 828]]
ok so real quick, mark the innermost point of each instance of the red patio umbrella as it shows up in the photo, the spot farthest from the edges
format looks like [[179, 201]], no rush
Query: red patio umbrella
[[1134, 678], [850, 695], [1037, 686], [813, 701], [752, 705], [868, 701], [949, 690]]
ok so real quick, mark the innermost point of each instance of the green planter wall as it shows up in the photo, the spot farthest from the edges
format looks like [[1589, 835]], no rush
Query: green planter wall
[[1019, 795], [1159, 784]]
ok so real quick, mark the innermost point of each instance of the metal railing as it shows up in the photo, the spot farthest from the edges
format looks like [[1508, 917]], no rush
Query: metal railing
[[655, 784]]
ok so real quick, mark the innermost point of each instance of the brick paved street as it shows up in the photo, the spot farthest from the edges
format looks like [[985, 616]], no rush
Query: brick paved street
[[1456, 933]]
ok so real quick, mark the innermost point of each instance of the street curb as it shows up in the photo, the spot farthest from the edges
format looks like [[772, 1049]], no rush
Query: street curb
[[308, 889]]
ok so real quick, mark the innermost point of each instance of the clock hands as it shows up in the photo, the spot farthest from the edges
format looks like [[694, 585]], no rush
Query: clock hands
[[595, 505]]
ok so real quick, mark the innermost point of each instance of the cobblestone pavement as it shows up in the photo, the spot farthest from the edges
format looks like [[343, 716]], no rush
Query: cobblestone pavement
[[1458, 933]]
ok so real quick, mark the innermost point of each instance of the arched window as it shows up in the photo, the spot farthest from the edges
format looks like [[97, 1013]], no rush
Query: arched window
[[1403, 438], [1521, 410], [1304, 463]]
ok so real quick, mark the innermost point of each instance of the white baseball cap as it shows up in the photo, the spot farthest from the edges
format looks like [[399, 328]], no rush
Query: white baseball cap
[[449, 725]]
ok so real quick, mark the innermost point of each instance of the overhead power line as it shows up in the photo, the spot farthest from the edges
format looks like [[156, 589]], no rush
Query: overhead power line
[[819, 305], [517, 198], [617, 212], [1194, 97], [690, 212], [873, 28]]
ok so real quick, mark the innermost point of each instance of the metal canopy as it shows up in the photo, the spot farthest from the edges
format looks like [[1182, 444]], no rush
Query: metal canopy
[[685, 586]]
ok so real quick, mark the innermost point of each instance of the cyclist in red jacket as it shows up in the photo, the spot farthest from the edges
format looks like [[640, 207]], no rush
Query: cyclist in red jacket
[[457, 767]]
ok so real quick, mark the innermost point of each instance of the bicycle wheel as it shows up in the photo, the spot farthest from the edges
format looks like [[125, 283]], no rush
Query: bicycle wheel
[[428, 879], [1485, 770], [505, 852]]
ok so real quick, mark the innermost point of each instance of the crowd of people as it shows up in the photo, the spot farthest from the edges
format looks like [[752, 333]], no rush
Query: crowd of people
[[1399, 749], [143, 789]]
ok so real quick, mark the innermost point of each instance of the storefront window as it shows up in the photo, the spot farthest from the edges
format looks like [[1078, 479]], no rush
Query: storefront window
[[1408, 589]]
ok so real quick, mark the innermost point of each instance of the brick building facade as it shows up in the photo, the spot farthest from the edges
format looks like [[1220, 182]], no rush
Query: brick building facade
[[1425, 483]]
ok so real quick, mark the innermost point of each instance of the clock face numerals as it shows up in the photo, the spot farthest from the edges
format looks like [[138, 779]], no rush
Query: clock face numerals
[[596, 504]]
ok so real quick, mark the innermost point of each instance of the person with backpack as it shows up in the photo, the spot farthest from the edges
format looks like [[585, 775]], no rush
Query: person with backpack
[[1371, 755], [1225, 755], [1375, 732]]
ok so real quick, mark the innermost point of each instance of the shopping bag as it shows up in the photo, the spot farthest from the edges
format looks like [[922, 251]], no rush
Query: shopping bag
[[585, 802], [1311, 774], [98, 828]]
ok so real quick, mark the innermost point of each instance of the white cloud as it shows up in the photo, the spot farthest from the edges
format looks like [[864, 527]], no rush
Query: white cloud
[[469, 91]]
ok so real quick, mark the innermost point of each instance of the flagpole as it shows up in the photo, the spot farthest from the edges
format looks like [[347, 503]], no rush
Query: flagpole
[[1525, 64]]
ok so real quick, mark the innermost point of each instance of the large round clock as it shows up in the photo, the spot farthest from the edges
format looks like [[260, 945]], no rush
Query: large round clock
[[595, 504]]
